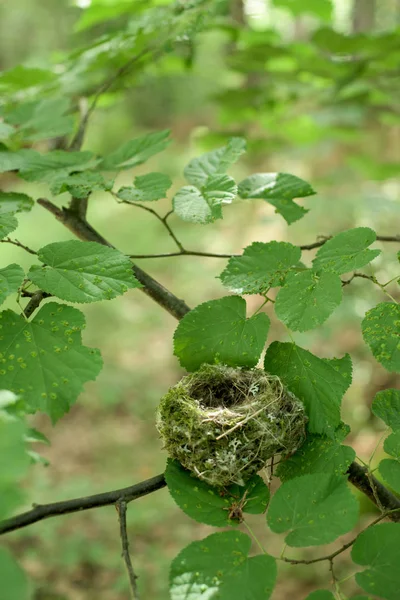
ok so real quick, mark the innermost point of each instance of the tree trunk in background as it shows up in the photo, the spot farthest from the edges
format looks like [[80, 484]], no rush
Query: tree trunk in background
[[363, 17]]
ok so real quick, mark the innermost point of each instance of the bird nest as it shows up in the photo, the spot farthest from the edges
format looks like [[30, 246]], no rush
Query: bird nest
[[223, 424]]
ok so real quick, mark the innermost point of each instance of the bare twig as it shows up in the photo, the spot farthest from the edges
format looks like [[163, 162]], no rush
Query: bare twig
[[19, 244], [121, 509], [183, 253], [44, 511]]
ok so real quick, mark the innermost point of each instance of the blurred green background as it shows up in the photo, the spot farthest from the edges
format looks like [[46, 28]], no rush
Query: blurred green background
[[346, 148]]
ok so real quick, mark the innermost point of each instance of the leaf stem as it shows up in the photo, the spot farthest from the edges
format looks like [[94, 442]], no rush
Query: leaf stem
[[253, 535]]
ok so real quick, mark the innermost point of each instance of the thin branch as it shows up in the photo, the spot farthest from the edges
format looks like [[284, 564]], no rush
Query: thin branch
[[34, 302], [121, 509], [19, 244], [183, 253], [323, 239], [77, 141], [44, 511]]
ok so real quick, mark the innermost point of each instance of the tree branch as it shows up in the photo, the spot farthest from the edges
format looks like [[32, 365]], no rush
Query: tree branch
[[44, 511], [19, 244], [34, 302], [377, 492], [121, 509]]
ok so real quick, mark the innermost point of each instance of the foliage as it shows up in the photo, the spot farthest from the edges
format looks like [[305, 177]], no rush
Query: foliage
[[341, 79]]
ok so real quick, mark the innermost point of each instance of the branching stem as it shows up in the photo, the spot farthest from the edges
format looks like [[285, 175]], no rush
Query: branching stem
[[121, 510]]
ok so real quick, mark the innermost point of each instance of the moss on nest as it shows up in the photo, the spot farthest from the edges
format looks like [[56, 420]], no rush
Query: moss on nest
[[223, 424]]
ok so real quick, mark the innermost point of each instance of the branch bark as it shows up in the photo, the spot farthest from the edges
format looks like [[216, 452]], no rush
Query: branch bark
[[121, 509]]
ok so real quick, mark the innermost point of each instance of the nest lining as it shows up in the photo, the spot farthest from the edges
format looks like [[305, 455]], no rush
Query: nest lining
[[223, 424]]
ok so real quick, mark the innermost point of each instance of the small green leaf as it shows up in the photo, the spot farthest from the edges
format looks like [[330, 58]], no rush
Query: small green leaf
[[11, 278], [42, 119], [386, 406], [54, 166], [278, 189], [381, 331], [314, 509], [378, 548], [392, 445], [44, 361], [205, 205], [216, 162], [346, 251], [209, 505], [319, 383], [14, 583], [260, 267], [318, 454], [11, 203], [136, 151], [35, 436], [307, 299], [83, 271], [320, 595], [218, 331], [147, 188], [390, 471], [219, 567]]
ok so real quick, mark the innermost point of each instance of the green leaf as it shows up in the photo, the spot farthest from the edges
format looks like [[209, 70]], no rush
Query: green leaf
[[217, 162], [80, 185], [314, 509], [55, 167], [83, 271], [42, 119], [22, 77], [378, 548], [209, 505], [392, 445], [318, 454], [10, 161], [11, 278], [278, 189], [260, 267], [319, 383], [386, 406], [136, 151], [218, 331], [11, 203], [14, 584], [318, 8], [147, 188], [14, 462], [44, 361], [381, 331], [307, 299], [35, 436], [320, 595], [205, 205], [390, 471], [346, 251], [219, 566]]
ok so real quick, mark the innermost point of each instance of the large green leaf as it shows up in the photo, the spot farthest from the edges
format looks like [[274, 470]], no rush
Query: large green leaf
[[307, 299], [218, 331], [136, 151], [318, 454], [381, 331], [347, 251], [209, 505], [279, 189], [204, 205], [83, 271], [219, 567], [261, 266], [217, 162], [11, 203], [11, 278], [44, 361], [386, 406], [147, 188], [319, 383], [314, 509], [14, 584], [378, 548]]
